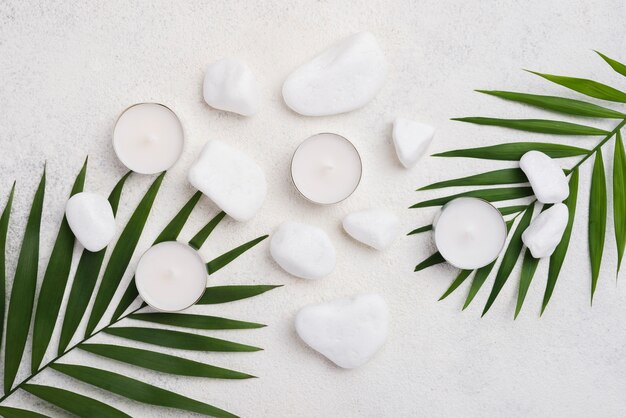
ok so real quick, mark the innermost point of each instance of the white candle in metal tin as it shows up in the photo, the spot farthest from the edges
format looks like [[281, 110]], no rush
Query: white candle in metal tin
[[148, 138], [469, 232], [326, 168], [171, 276]]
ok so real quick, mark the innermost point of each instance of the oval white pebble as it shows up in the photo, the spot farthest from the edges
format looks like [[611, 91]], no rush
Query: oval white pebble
[[231, 179], [411, 140], [303, 250], [377, 228], [545, 231], [344, 77], [230, 85], [546, 177], [91, 219], [347, 331]]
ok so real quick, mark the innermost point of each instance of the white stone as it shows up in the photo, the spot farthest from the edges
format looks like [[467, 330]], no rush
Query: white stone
[[347, 331], [230, 85], [342, 78], [545, 231], [231, 179], [545, 176], [91, 219], [377, 228], [411, 140], [303, 250]]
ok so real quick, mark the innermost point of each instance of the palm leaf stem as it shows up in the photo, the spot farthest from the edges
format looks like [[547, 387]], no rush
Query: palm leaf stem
[[600, 144]]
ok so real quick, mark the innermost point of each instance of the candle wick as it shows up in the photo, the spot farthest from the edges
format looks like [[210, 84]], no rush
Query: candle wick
[[328, 166], [149, 139]]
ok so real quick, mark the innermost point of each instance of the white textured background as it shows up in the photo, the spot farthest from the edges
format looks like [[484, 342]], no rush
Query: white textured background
[[67, 69]]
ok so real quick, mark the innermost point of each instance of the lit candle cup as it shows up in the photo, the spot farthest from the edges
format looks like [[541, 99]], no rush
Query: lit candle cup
[[469, 232], [148, 138], [171, 276], [326, 168]]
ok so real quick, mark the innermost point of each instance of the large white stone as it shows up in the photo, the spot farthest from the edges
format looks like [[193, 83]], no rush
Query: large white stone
[[303, 250], [546, 177], [344, 77], [411, 140], [377, 228], [347, 331], [91, 219], [230, 85], [231, 179], [545, 231]]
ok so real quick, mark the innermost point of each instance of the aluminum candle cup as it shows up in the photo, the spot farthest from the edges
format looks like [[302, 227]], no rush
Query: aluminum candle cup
[[469, 232], [326, 168], [171, 276], [148, 138]]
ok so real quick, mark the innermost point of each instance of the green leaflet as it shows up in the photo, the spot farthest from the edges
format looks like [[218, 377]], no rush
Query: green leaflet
[[509, 210], [223, 294], [54, 282], [491, 178], [514, 151], [194, 321], [200, 238], [557, 258], [8, 412], [543, 126], [177, 339], [137, 390], [73, 402], [224, 259], [479, 279], [529, 266], [558, 104], [23, 293], [85, 279], [509, 259], [615, 65], [162, 362], [619, 198], [436, 258], [597, 219], [421, 229], [490, 195], [463, 275], [587, 87], [121, 255], [4, 228]]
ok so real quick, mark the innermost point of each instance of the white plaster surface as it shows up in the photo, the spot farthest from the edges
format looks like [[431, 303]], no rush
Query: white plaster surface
[[68, 69]]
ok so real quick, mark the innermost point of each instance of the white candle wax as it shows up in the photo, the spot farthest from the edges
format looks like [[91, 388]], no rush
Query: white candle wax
[[148, 138], [469, 232], [326, 168], [171, 276]]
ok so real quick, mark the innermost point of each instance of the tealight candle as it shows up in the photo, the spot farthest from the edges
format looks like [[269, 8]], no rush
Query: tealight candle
[[469, 232], [148, 138], [326, 168], [171, 276]]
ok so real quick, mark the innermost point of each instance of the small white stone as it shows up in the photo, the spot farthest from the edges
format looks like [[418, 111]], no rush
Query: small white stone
[[411, 140], [545, 176], [303, 250], [91, 219], [230, 85], [545, 231], [342, 78], [347, 331], [377, 228], [231, 179]]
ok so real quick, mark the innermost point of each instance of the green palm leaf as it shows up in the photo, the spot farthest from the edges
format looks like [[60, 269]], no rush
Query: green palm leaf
[[8, 412], [514, 151], [223, 294], [509, 210], [616, 65], [226, 258], [162, 362], [137, 390], [23, 292], [85, 279], [490, 195], [529, 266], [490, 178], [421, 229], [479, 279], [194, 321], [543, 126], [587, 87], [121, 255], [436, 258], [4, 229], [597, 219], [80, 405], [199, 239], [54, 282], [177, 339], [557, 104], [462, 276], [619, 198]]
